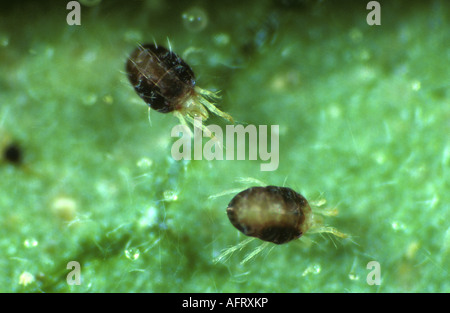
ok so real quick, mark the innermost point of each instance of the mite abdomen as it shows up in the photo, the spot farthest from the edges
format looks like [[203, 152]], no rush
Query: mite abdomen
[[160, 77], [275, 214]]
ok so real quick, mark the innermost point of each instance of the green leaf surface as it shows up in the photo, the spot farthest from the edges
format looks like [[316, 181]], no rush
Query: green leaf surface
[[364, 117]]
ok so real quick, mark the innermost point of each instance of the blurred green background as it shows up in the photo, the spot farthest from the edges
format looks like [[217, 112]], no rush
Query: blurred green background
[[364, 115]]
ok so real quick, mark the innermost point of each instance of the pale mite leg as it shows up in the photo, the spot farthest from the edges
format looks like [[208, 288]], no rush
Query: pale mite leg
[[325, 212], [226, 254], [198, 124], [225, 193], [242, 180], [211, 107], [255, 252], [327, 229], [183, 122], [251, 180], [316, 222], [149, 117]]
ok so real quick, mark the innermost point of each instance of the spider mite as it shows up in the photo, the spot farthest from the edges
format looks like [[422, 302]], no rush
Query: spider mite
[[10, 151], [13, 154], [273, 214], [276, 214], [167, 84]]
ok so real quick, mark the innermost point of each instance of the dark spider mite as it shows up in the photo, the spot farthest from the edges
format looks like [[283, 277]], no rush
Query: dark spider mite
[[167, 84], [12, 153], [276, 214]]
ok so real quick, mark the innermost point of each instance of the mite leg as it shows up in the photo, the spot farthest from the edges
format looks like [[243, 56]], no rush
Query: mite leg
[[327, 229], [255, 252], [211, 107], [325, 212], [183, 122], [225, 193], [226, 254]]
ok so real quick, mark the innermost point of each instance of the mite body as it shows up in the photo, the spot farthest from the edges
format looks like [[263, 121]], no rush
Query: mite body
[[10, 151], [167, 84], [161, 78], [276, 214], [13, 154]]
